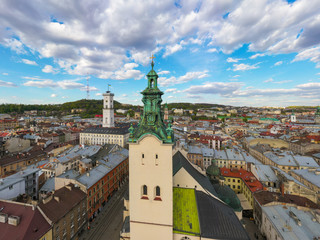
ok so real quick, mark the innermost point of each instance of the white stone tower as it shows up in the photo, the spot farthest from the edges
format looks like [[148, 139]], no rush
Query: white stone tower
[[150, 166], [293, 117], [108, 111]]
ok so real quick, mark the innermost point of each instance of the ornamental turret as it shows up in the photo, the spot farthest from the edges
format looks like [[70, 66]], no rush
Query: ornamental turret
[[152, 121]]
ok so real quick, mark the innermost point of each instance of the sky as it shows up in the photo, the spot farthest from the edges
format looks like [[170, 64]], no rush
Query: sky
[[232, 52]]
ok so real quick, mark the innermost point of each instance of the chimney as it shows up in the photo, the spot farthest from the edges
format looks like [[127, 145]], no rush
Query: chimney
[[282, 189], [88, 174]]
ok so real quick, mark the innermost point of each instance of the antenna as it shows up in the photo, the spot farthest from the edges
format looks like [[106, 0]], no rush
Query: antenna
[[88, 91]]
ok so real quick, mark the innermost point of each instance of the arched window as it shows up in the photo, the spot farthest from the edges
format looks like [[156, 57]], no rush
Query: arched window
[[144, 190], [157, 191]]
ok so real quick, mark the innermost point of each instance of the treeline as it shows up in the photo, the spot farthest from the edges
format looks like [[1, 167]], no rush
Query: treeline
[[91, 107], [192, 106]]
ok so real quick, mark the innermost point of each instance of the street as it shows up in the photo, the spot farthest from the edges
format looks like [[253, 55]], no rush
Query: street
[[107, 225]]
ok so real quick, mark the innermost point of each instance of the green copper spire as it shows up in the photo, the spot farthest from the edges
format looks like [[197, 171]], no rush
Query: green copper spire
[[151, 121]]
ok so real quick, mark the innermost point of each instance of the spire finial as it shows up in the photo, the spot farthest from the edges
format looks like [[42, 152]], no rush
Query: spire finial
[[152, 63]]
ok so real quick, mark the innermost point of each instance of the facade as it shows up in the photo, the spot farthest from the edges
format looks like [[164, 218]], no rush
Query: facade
[[150, 167], [108, 111], [8, 124], [101, 136], [101, 182], [242, 181], [11, 188], [66, 211], [31, 180]]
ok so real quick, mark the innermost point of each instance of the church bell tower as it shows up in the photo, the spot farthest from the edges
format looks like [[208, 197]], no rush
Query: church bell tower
[[150, 167]]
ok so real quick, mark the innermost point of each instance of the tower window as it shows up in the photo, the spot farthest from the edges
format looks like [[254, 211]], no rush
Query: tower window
[[144, 192], [156, 156], [158, 196], [157, 191]]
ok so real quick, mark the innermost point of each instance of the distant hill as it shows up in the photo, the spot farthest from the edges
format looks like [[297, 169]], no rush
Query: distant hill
[[92, 107]]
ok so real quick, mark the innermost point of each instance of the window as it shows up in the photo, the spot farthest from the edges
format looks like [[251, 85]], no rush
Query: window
[[142, 155], [157, 191], [144, 193], [145, 190]]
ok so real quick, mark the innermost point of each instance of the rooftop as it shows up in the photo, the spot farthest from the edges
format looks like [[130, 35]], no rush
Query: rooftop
[[104, 130], [185, 212], [248, 178], [292, 223], [32, 224], [68, 197], [309, 175], [265, 197]]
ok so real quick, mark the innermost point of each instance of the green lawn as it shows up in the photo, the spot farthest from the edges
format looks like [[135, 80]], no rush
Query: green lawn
[[185, 212]]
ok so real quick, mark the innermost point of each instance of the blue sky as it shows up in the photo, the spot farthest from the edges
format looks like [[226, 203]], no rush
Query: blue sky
[[253, 53]]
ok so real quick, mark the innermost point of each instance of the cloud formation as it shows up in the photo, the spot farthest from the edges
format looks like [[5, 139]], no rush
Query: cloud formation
[[189, 76], [7, 84]]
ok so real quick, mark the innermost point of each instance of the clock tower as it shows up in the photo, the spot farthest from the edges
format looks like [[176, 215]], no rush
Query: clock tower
[[150, 167]]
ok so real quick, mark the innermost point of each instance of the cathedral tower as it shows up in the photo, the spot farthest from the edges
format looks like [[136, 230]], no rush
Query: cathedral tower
[[150, 167], [108, 111]]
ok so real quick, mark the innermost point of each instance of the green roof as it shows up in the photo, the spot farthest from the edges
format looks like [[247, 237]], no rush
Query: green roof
[[185, 212]]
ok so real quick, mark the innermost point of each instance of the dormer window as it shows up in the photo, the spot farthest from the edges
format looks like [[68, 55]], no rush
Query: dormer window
[[151, 83]]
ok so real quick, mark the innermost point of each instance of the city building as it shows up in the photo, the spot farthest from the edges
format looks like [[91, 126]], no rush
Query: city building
[[101, 136], [100, 182], [22, 221], [282, 222], [66, 211]]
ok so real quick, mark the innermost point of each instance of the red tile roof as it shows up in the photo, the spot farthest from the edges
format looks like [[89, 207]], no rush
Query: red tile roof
[[247, 177], [32, 224]]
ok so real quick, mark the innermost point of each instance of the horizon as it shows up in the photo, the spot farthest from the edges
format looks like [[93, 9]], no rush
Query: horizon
[[236, 53]]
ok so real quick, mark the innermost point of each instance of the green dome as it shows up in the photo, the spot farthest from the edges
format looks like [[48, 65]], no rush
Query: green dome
[[213, 171], [227, 195]]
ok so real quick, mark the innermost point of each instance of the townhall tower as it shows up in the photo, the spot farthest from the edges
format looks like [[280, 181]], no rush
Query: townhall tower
[[108, 111], [150, 167]]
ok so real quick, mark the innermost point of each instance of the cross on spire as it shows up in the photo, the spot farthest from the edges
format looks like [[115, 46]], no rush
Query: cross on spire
[[152, 63]]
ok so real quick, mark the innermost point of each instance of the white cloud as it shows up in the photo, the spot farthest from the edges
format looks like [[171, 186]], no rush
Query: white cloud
[[124, 95], [257, 55], [29, 62], [5, 74], [284, 81], [14, 45], [98, 94], [221, 88], [236, 76], [268, 80], [172, 49], [64, 84], [189, 76], [212, 50], [278, 63], [244, 67], [7, 84], [53, 95], [128, 72], [312, 54], [49, 69], [99, 42], [170, 90], [233, 60], [163, 72]]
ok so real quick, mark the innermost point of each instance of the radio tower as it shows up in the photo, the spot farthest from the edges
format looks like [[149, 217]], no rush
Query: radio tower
[[88, 91]]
